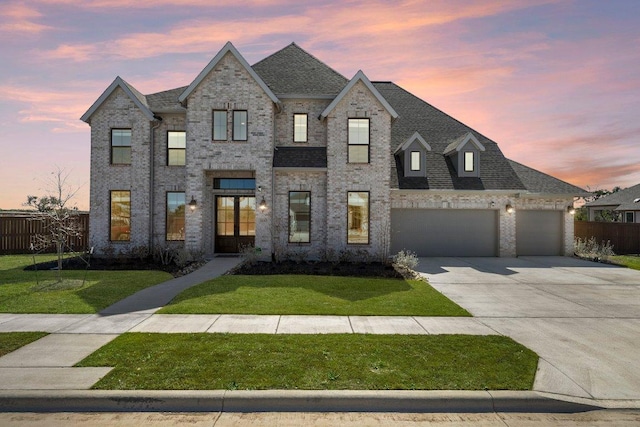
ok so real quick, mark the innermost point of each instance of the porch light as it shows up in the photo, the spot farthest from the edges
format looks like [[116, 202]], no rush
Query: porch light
[[193, 204], [510, 209], [571, 210], [263, 205]]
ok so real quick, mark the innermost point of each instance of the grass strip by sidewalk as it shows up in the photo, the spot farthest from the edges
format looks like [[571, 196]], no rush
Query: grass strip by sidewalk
[[314, 362], [11, 341], [306, 294], [629, 261], [20, 291]]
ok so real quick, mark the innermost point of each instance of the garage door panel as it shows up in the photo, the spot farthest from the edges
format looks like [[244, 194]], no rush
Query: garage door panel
[[539, 232], [445, 232]]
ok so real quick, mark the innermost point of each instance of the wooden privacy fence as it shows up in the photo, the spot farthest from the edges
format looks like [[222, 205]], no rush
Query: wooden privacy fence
[[623, 236], [18, 229]]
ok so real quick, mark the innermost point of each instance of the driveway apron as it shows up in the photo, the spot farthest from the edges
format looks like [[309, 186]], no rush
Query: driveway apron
[[582, 318]]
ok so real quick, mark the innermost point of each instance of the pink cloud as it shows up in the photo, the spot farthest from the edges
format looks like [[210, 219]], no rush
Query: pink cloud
[[19, 18]]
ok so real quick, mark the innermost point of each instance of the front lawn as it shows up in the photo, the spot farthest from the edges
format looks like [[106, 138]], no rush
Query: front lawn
[[314, 362], [11, 341], [305, 294], [629, 261], [38, 292]]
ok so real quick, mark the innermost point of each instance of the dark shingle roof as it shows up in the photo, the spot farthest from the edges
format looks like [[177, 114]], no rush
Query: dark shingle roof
[[624, 199], [539, 182], [166, 101], [440, 130], [293, 71], [300, 157]]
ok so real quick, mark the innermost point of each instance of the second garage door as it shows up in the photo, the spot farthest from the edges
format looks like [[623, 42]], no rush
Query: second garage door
[[539, 232], [445, 232]]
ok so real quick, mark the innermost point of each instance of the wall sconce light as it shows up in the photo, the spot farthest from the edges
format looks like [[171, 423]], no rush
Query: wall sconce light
[[571, 210], [263, 205], [193, 204], [510, 209]]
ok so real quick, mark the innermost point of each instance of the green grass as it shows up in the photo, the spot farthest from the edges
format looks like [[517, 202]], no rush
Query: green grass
[[629, 261], [303, 294], [11, 341], [314, 362], [38, 292]]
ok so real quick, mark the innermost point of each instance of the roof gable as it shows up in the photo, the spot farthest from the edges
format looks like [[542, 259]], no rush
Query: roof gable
[[293, 72], [359, 77], [415, 137], [228, 48], [138, 99], [461, 142]]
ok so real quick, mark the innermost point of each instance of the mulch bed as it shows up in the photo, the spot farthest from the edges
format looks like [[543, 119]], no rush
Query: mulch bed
[[373, 269], [108, 264]]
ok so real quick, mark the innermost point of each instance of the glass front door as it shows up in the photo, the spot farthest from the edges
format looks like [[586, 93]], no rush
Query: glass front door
[[235, 223]]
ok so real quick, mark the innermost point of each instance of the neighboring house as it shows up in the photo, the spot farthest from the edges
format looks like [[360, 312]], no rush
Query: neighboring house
[[622, 206], [293, 158]]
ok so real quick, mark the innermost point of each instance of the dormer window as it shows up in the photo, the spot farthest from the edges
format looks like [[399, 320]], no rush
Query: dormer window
[[464, 154], [415, 161], [469, 165], [412, 154]]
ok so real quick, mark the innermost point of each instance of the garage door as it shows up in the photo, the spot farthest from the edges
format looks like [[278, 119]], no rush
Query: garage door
[[445, 232], [539, 232]]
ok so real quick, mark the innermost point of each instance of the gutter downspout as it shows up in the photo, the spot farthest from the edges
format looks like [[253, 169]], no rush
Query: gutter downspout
[[158, 121]]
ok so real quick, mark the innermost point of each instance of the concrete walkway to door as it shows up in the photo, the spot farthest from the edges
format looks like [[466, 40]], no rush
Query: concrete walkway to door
[[582, 318]]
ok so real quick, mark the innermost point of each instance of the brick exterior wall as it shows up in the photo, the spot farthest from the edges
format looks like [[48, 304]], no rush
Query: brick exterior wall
[[119, 112], [316, 129], [373, 177]]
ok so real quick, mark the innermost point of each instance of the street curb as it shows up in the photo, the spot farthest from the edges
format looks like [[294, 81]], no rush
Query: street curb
[[283, 401]]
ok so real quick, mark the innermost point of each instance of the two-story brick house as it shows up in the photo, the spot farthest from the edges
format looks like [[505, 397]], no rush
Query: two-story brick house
[[291, 157]]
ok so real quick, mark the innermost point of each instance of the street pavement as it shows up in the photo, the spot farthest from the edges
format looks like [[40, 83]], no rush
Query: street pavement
[[582, 318]]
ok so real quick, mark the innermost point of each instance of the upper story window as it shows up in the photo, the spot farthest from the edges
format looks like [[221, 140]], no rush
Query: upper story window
[[219, 125], [239, 125], [176, 148], [358, 141], [299, 128], [120, 146], [469, 161], [415, 160]]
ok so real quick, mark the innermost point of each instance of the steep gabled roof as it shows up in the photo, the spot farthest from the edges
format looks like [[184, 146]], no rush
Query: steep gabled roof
[[623, 199], [166, 101], [228, 48], [459, 143], [294, 72], [540, 183], [416, 115], [415, 137], [359, 77], [139, 99]]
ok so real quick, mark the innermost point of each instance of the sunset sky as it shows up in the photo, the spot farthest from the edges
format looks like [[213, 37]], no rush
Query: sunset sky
[[556, 83]]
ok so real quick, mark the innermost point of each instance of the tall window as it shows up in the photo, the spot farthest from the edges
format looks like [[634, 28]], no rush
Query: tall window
[[469, 165], [358, 217], [358, 141], [219, 125], [175, 215], [239, 125], [120, 222], [120, 146], [299, 216], [299, 128], [415, 160], [176, 148]]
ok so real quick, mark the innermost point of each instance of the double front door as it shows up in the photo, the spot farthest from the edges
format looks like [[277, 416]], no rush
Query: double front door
[[235, 218]]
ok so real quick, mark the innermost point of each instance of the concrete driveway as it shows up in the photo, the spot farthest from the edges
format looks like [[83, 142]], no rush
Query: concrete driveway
[[582, 318]]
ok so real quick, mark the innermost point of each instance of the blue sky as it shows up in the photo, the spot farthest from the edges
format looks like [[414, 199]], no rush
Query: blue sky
[[555, 83]]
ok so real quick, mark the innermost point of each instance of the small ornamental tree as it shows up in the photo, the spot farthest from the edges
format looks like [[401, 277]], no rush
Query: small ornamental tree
[[57, 213]]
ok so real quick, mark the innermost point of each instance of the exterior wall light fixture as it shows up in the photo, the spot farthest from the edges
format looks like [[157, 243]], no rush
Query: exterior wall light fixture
[[510, 209], [571, 210], [193, 204], [263, 205]]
